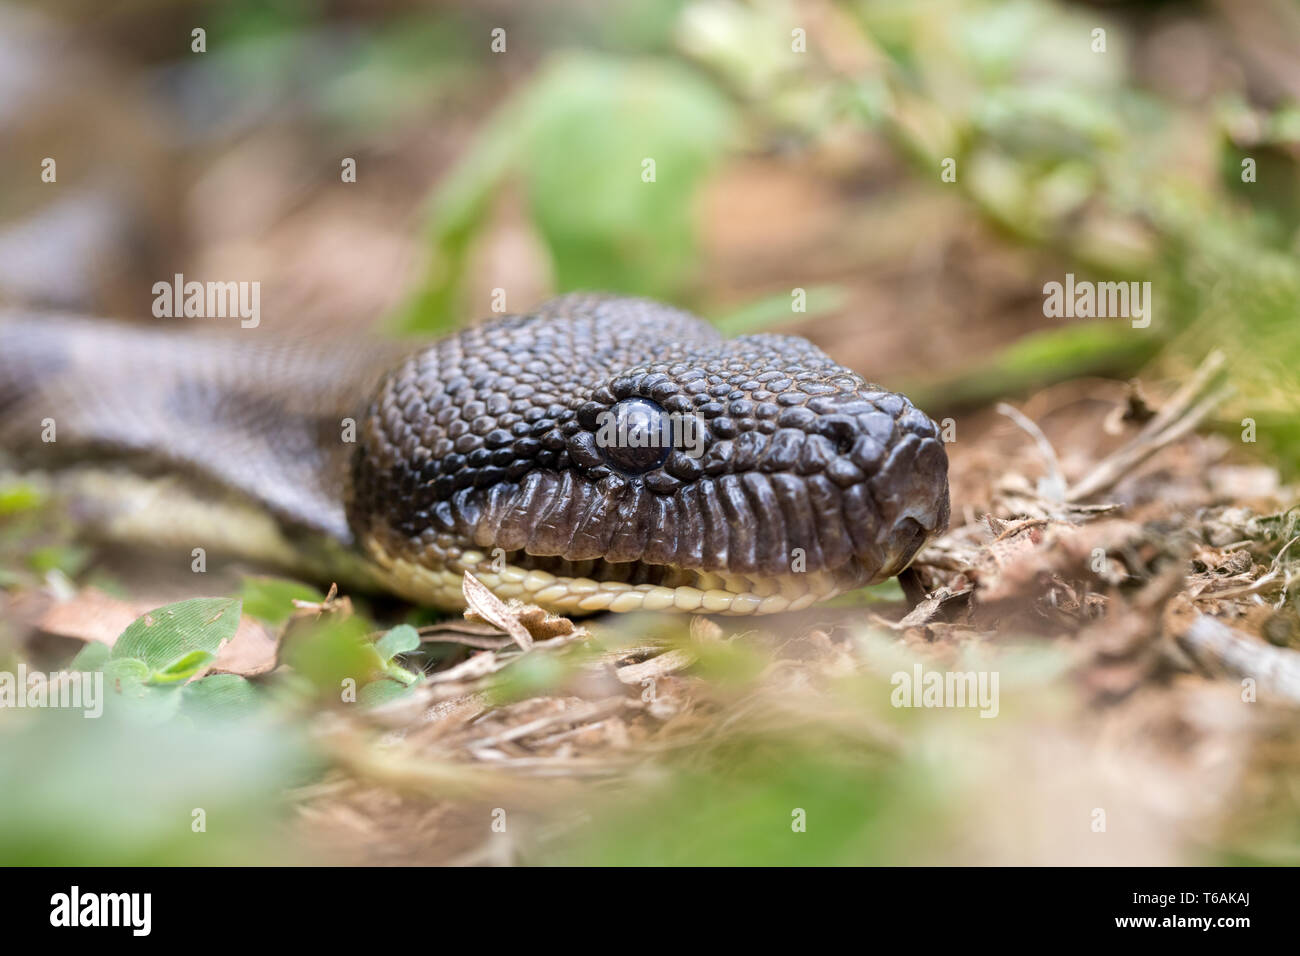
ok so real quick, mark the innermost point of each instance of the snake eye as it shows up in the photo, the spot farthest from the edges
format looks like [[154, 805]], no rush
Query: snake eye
[[635, 435]]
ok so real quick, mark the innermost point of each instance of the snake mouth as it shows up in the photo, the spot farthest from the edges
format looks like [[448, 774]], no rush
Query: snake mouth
[[585, 587], [600, 585]]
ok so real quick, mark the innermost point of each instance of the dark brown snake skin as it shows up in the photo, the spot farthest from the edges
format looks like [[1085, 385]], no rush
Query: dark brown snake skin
[[491, 450]]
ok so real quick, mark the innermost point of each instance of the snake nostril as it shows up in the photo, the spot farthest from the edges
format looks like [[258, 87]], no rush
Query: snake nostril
[[840, 430]]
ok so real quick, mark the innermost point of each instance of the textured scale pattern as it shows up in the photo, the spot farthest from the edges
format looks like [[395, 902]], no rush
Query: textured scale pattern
[[483, 452], [491, 437], [261, 416]]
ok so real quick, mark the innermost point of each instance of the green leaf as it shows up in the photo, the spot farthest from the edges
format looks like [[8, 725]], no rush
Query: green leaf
[[125, 792], [68, 558], [460, 208], [92, 657], [578, 136], [127, 682], [182, 669], [127, 670], [169, 636], [271, 599], [381, 692], [399, 640], [760, 315], [533, 675], [220, 696], [1038, 359], [598, 122], [332, 651]]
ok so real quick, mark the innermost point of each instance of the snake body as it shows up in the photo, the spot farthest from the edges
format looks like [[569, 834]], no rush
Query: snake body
[[596, 454]]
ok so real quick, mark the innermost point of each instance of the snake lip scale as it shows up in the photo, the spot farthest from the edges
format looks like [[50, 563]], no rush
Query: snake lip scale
[[599, 453]]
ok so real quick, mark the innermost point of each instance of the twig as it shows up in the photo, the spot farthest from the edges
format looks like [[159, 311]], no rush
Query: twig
[[661, 666], [1275, 669], [1053, 488], [1184, 397], [1011, 530], [1177, 421], [359, 757], [576, 715]]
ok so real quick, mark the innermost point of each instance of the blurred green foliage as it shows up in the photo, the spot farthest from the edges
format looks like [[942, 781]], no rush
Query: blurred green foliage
[[271, 599], [115, 791], [829, 776], [122, 785], [579, 140], [859, 806], [167, 770], [340, 662]]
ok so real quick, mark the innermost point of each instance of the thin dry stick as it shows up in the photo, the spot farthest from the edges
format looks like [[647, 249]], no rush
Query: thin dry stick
[[412, 773], [1055, 483], [1276, 670], [1184, 397], [575, 715], [1118, 464], [1178, 416], [482, 636], [1012, 530]]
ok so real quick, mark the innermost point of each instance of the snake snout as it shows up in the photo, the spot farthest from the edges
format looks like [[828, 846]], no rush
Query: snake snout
[[859, 480]]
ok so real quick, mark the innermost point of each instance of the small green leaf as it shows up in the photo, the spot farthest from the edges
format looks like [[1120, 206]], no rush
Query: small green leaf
[[381, 692], [332, 651], [399, 640], [583, 139], [221, 696], [532, 675], [68, 558], [92, 657], [760, 315], [126, 670], [181, 669], [165, 636], [127, 682]]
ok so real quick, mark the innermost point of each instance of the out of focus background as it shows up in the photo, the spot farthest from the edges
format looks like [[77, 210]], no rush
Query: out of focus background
[[896, 181]]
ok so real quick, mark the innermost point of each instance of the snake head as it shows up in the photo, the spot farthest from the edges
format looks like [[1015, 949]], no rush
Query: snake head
[[615, 454]]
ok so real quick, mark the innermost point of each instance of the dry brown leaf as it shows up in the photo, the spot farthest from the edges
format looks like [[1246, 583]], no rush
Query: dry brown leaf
[[252, 651], [487, 606], [91, 615]]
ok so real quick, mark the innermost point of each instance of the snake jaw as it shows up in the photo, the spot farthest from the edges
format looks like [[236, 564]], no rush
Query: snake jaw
[[439, 582]]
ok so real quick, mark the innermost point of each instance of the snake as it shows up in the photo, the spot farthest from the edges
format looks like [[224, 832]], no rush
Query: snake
[[598, 453]]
